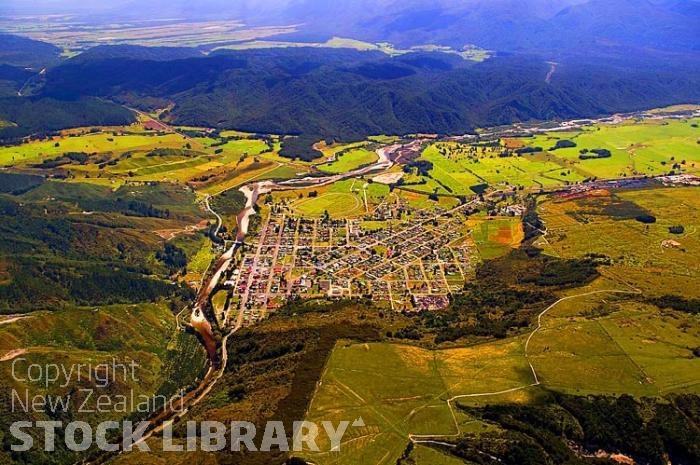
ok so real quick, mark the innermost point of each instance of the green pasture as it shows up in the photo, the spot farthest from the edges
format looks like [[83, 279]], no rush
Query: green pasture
[[495, 237], [632, 348], [460, 172], [90, 143], [349, 161], [399, 390], [649, 147], [640, 252]]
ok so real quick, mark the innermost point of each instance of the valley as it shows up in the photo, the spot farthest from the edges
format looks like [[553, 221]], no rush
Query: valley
[[394, 232], [405, 226]]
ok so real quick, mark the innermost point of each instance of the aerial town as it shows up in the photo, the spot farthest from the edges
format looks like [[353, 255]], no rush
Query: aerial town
[[405, 265]]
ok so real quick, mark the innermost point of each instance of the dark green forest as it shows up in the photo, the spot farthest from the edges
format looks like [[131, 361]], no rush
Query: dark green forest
[[650, 431], [348, 94], [338, 94], [87, 245]]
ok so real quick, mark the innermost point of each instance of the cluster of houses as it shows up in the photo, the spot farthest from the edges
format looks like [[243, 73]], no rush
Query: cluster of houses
[[409, 264]]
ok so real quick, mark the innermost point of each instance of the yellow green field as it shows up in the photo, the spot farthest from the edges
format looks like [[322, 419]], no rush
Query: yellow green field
[[398, 390], [349, 161], [461, 170], [423, 455], [495, 237], [640, 253], [651, 147], [90, 143], [335, 203], [341, 199]]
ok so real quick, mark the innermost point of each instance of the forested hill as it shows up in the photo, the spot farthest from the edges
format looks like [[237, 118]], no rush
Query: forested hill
[[23, 52], [330, 93], [350, 94], [24, 111]]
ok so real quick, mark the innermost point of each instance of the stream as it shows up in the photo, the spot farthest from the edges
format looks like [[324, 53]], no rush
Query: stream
[[252, 192]]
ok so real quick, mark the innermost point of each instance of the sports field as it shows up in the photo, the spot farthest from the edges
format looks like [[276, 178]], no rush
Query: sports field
[[343, 199], [335, 203]]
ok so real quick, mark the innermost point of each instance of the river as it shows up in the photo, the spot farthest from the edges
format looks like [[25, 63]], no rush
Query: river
[[252, 192]]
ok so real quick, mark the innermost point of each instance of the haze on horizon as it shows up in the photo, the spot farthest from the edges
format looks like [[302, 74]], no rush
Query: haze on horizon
[[254, 8]]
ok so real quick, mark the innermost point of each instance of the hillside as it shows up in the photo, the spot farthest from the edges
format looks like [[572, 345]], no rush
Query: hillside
[[547, 27], [348, 94], [21, 52]]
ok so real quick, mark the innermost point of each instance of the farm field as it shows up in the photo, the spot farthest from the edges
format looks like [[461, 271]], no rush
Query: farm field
[[472, 54], [89, 143], [363, 380], [495, 237], [110, 157], [610, 346], [349, 161], [247, 171], [426, 456], [650, 147], [233, 149], [460, 170], [640, 253], [633, 349], [64, 33], [421, 200]]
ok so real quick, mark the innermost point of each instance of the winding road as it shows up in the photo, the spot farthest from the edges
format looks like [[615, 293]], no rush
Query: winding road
[[434, 439], [198, 318]]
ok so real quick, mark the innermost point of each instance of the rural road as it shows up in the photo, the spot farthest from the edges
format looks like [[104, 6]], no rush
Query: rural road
[[13, 319], [433, 439], [552, 70], [220, 221]]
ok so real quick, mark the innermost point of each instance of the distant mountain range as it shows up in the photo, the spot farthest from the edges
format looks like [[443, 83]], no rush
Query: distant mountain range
[[611, 56], [550, 27], [342, 94], [547, 27]]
